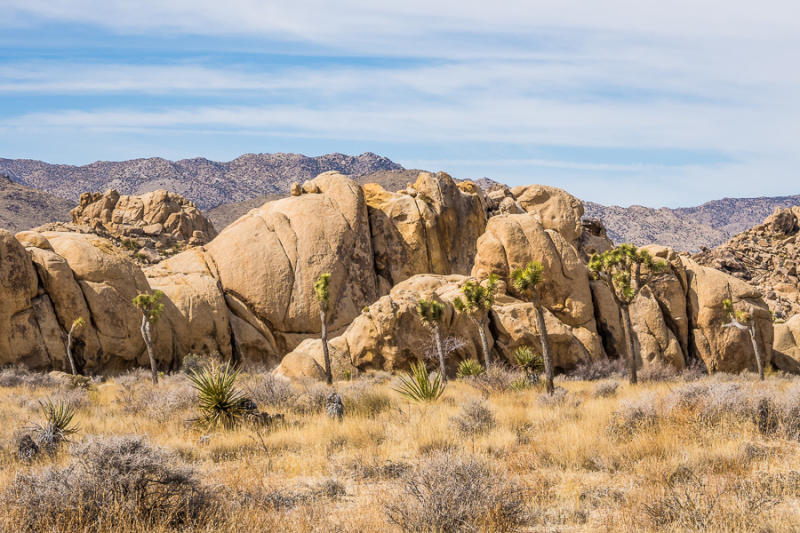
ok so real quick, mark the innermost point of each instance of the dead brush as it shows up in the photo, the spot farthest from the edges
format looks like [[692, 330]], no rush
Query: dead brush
[[122, 480], [699, 503], [634, 415], [454, 493]]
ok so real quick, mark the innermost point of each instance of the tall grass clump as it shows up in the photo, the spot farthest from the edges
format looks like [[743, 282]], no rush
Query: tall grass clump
[[418, 386]]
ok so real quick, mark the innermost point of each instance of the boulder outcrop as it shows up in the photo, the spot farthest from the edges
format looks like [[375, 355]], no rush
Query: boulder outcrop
[[724, 349], [434, 230], [511, 241], [248, 293], [151, 226]]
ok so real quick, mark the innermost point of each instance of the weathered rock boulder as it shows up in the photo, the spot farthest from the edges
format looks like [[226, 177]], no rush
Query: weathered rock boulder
[[21, 338], [555, 209], [109, 281], [432, 231], [389, 335], [514, 324], [786, 346], [270, 258], [201, 323], [511, 241], [724, 349]]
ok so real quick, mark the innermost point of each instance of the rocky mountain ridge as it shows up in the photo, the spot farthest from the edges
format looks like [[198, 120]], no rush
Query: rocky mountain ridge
[[686, 228], [204, 182], [23, 207]]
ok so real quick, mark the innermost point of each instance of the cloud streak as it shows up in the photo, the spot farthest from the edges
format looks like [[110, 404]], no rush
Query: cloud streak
[[507, 88]]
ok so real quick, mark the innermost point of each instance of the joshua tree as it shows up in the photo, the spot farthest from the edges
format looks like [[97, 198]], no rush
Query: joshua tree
[[477, 302], [526, 281], [323, 289], [151, 310], [79, 322], [745, 321], [621, 270], [432, 312]]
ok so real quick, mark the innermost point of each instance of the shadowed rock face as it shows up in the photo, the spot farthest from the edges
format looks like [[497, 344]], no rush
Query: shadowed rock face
[[248, 294]]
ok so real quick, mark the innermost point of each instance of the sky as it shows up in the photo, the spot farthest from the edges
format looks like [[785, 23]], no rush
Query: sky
[[662, 104]]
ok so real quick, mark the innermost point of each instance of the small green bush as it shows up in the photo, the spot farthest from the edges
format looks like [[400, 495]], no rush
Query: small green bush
[[469, 367], [220, 402], [418, 386]]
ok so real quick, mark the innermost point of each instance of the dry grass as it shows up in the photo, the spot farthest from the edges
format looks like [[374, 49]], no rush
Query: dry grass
[[717, 454]]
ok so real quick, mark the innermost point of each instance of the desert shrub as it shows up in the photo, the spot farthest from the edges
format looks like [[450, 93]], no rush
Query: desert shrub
[[109, 479], [603, 369], [362, 398], [373, 469], [560, 396], [272, 392], [19, 376], [695, 370], [453, 493], [496, 379], [700, 503], [634, 415], [418, 386], [469, 367], [289, 498], [312, 399], [73, 398], [474, 418], [657, 371], [195, 363], [605, 389]]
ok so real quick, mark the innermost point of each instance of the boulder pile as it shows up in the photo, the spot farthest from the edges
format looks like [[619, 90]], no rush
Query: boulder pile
[[151, 227], [247, 293]]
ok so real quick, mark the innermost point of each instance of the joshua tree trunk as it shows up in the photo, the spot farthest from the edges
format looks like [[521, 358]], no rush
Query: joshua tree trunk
[[323, 316], [546, 355], [484, 343], [69, 351], [437, 334], [149, 343], [759, 363], [626, 316]]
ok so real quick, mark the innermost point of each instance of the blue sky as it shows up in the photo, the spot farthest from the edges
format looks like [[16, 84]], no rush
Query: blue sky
[[617, 101]]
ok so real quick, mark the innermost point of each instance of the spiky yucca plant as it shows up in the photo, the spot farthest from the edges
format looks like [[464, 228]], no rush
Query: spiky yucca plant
[[220, 402], [418, 386], [528, 360], [56, 425], [469, 367]]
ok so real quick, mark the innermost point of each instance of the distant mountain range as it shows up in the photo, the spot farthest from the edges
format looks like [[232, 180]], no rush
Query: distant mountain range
[[23, 208], [206, 183], [686, 228], [44, 193]]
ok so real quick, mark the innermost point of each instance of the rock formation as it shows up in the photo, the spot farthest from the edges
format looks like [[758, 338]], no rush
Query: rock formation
[[248, 293], [155, 224], [766, 256]]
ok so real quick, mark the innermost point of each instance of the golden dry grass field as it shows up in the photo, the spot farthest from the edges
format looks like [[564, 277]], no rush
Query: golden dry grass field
[[719, 453]]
